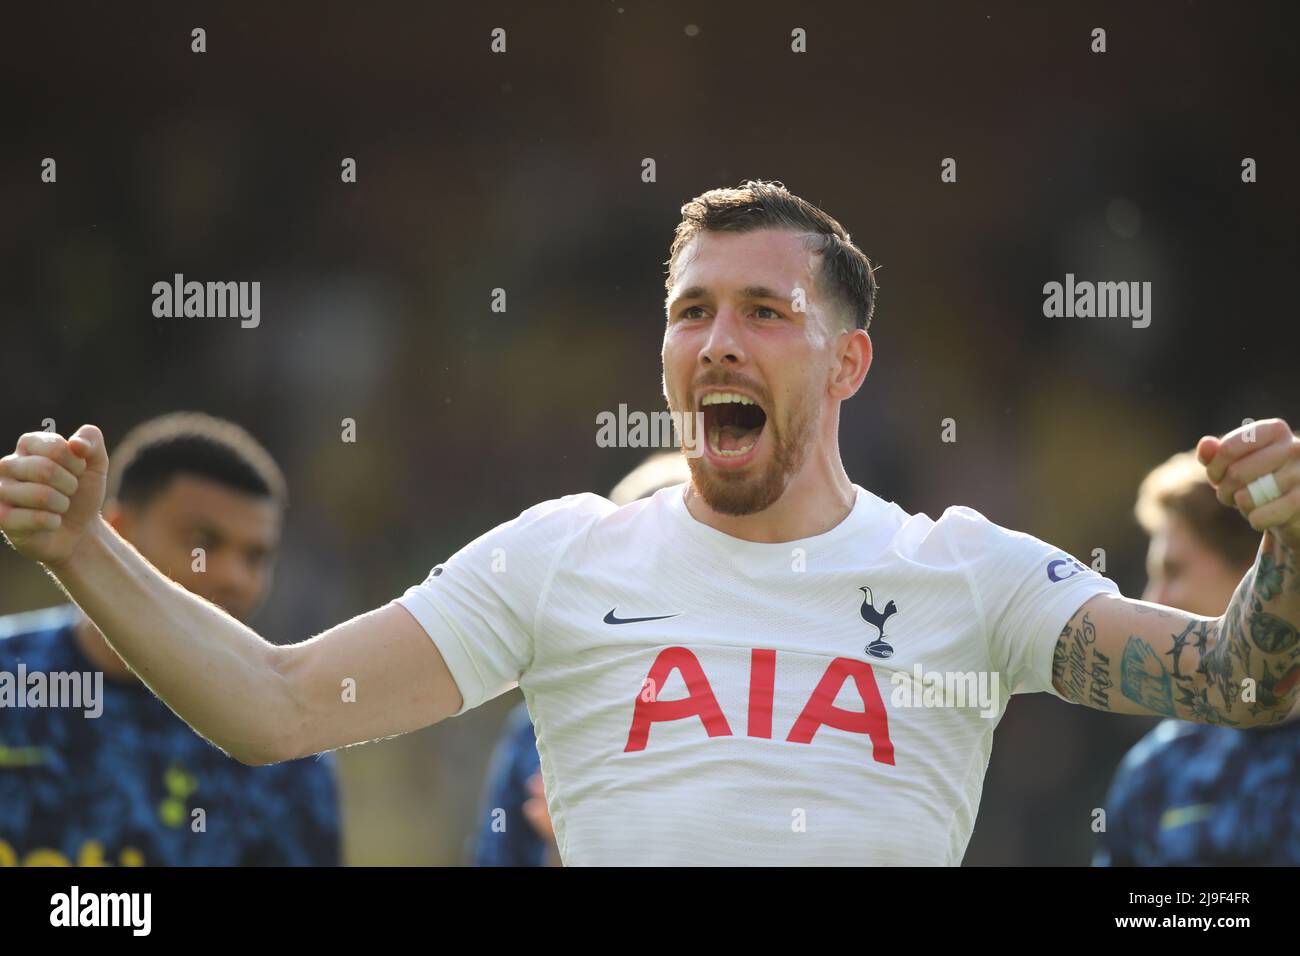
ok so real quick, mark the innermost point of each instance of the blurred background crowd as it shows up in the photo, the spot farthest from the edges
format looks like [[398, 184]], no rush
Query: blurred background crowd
[[523, 171]]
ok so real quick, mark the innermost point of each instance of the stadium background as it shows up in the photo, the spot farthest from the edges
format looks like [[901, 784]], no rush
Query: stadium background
[[522, 171]]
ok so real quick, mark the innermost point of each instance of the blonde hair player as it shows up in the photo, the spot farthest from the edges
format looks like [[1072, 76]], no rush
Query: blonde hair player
[[1198, 794]]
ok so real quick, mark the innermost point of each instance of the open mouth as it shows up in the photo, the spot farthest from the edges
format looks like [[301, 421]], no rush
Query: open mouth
[[733, 423]]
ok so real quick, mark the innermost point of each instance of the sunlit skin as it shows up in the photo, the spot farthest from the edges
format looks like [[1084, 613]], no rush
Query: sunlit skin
[[799, 366], [1184, 572], [239, 534]]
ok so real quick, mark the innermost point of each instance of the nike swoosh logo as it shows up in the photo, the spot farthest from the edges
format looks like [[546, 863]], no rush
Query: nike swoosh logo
[[611, 619]]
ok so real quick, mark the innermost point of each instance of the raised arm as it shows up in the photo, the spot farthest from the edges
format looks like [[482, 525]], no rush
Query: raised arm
[[375, 676], [1241, 669]]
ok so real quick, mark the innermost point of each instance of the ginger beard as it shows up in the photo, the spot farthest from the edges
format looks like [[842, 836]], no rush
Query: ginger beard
[[760, 483]]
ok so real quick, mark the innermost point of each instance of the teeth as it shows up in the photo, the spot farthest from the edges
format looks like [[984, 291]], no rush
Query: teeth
[[714, 434], [721, 398]]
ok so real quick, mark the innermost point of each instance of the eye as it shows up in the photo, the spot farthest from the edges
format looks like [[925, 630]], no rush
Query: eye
[[774, 314], [686, 313]]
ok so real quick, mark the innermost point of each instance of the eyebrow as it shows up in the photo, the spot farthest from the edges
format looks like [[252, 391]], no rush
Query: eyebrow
[[747, 292]]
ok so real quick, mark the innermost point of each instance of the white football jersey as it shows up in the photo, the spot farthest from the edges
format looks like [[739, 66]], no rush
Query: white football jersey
[[701, 699]]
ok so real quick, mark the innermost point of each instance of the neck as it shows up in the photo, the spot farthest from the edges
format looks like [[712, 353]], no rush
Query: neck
[[96, 648], [817, 499]]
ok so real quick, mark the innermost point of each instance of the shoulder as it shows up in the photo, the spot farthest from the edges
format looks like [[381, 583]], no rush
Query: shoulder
[[37, 623], [966, 525], [35, 636], [585, 504], [561, 518], [964, 535], [920, 537], [546, 528], [591, 519]]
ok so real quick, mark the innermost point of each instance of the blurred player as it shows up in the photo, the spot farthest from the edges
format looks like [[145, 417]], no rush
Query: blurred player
[[133, 785], [735, 670], [1196, 794], [514, 787]]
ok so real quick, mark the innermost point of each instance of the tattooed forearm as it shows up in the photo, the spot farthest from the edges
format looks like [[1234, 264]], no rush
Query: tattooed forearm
[[1253, 665], [1181, 687], [1144, 678], [1239, 670], [1291, 573], [1082, 671]]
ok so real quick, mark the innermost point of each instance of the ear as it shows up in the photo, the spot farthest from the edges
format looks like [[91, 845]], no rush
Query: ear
[[114, 514], [855, 356]]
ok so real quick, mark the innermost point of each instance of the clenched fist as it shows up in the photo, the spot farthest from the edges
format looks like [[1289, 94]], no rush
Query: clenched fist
[[51, 490], [1256, 469]]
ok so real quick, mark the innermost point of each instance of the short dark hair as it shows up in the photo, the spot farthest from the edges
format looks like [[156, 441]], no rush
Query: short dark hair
[[847, 274], [192, 443]]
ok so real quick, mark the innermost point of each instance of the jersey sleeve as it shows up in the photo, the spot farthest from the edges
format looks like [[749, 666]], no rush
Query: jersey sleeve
[[481, 605], [1024, 590]]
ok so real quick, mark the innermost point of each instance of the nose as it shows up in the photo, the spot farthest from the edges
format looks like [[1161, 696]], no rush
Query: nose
[[723, 346], [232, 583]]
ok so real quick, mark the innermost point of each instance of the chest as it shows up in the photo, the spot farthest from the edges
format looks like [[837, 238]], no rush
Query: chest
[[766, 653]]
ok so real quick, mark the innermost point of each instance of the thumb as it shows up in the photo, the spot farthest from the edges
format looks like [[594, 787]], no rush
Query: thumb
[[1206, 449], [87, 442]]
